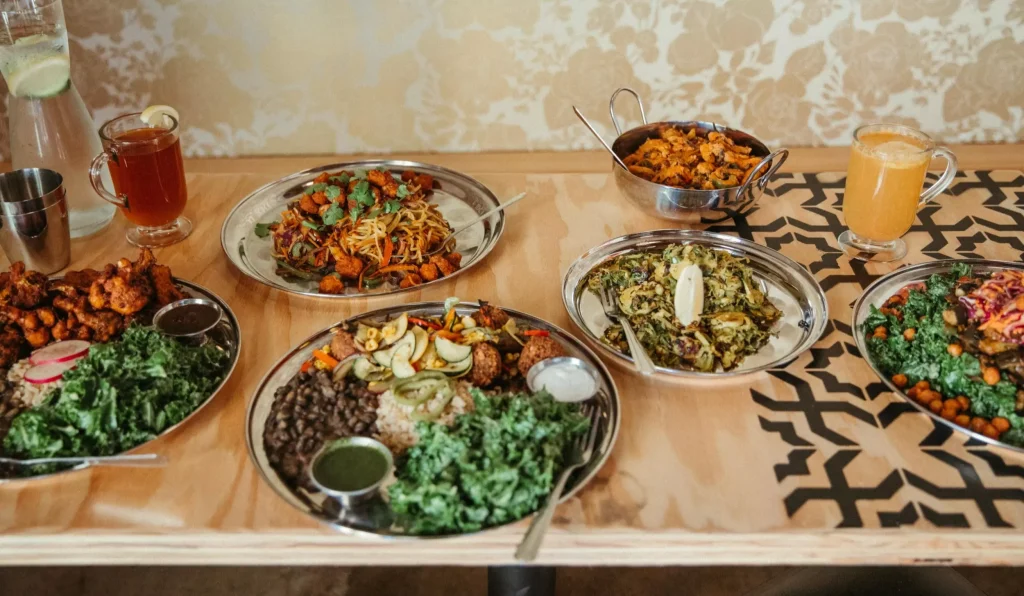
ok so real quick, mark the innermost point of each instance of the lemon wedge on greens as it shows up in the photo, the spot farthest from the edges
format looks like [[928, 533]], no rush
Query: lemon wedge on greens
[[689, 295]]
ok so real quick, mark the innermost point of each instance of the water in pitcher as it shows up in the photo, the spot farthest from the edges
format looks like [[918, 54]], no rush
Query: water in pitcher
[[49, 124]]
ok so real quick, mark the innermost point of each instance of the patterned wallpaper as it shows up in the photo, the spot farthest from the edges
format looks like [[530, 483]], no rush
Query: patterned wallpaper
[[338, 76]]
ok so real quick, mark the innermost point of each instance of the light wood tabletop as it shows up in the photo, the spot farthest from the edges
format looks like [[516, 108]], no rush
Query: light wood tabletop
[[815, 463]]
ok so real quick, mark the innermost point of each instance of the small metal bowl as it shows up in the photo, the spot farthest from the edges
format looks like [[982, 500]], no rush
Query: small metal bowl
[[670, 202], [181, 320], [562, 361], [350, 499]]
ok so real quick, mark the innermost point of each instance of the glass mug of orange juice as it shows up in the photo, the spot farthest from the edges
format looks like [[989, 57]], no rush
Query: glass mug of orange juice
[[887, 170], [148, 175]]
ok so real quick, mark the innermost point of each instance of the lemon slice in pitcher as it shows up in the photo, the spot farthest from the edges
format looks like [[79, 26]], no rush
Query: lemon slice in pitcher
[[158, 116], [43, 77]]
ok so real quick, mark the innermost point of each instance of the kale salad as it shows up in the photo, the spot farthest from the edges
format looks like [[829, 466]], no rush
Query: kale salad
[[955, 344]]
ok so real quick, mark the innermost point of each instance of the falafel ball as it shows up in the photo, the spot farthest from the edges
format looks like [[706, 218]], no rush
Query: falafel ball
[[536, 349], [486, 365]]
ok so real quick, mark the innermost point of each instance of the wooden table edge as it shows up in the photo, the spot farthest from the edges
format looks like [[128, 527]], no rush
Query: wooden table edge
[[621, 548]]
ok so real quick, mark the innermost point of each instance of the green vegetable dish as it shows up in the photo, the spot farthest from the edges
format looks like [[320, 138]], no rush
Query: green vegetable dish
[[445, 392], [731, 316], [953, 344], [121, 394]]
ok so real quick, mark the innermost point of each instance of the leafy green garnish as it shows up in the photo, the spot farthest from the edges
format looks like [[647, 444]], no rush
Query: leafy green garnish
[[315, 188], [122, 394], [310, 225], [333, 192], [392, 206], [333, 214], [362, 194], [403, 191], [497, 464], [355, 212], [359, 174], [262, 230], [340, 180]]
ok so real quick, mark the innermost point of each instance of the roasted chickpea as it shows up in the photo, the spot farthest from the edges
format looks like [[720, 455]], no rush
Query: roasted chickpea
[[900, 380], [935, 406], [951, 404], [955, 350], [908, 334], [990, 375], [880, 330], [1001, 424], [962, 419], [977, 423], [928, 396], [913, 393], [922, 385], [948, 414], [990, 431], [965, 403]]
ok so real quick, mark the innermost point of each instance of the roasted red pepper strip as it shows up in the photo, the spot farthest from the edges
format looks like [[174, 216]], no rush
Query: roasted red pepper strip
[[307, 365], [424, 323]]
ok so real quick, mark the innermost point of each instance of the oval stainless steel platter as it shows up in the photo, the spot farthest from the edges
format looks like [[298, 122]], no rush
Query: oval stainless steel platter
[[884, 287], [460, 199], [789, 285], [379, 523], [226, 335]]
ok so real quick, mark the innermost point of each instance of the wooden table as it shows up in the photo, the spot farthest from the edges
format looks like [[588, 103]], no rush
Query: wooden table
[[816, 463]]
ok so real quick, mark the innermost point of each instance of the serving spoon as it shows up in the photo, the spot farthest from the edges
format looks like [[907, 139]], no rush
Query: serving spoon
[[142, 460], [604, 143], [473, 222]]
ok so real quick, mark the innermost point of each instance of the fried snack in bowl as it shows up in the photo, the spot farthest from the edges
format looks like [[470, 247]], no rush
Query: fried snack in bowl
[[693, 159]]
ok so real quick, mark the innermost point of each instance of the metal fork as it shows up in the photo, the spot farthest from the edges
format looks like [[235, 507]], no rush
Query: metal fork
[[610, 303], [577, 454], [143, 460]]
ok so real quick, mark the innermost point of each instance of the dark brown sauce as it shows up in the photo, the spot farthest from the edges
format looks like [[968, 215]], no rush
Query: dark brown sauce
[[189, 319]]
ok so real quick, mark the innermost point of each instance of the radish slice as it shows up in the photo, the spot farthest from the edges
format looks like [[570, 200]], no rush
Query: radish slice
[[47, 373], [62, 351]]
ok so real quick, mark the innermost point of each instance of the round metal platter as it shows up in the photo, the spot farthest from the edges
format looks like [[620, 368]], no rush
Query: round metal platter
[[380, 522], [884, 287], [789, 286], [226, 336], [460, 199]]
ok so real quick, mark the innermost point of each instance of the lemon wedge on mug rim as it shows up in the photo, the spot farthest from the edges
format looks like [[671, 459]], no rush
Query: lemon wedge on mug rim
[[43, 77], [157, 115]]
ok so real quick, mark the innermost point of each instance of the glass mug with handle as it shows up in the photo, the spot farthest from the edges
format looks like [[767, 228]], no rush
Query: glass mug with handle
[[148, 175], [888, 164]]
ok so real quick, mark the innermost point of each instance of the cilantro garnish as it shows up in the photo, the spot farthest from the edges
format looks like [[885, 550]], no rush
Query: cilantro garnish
[[359, 175], [341, 180], [392, 206], [263, 230], [333, 192], [403, 191], [355, 212], [334, 213], [362, 194], [310, 225], [315, 188]]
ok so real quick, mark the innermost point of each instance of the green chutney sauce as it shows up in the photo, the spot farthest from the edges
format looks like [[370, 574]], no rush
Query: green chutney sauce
[[350, 468]]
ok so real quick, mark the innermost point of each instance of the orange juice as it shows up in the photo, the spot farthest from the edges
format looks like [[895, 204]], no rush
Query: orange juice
[[883, 185]]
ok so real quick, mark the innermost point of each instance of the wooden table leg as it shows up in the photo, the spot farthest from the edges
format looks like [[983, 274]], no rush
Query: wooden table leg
[[521, 580]]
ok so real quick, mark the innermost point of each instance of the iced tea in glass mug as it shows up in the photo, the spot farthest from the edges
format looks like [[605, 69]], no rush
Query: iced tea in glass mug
[[148, 175], [888, 163]]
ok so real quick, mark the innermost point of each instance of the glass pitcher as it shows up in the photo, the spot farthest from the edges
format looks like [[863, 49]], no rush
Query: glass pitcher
[[49, 125]]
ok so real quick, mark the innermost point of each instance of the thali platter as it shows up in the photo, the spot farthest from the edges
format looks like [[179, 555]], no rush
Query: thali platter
[[876, 295], [377, 519], [225, 336], [459, 198], [787, 284]]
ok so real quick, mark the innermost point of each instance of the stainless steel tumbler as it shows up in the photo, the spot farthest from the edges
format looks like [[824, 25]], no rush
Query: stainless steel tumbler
[[34, 225]]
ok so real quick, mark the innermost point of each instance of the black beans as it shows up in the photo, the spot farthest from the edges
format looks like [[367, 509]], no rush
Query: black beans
[[309, 410]]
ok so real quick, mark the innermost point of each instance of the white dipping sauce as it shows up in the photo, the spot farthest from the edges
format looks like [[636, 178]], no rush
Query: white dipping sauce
[[566, 383]]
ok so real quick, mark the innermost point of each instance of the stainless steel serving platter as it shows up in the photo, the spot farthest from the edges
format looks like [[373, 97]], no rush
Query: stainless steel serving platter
[[789, 285], [226, 336], [378, 522], [460, 199], [884, 287]]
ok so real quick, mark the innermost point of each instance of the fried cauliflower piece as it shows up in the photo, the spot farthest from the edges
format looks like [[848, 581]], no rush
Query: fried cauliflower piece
[[348, 267], [331, 285]]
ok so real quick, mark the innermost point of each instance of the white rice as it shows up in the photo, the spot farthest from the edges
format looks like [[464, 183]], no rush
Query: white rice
[[27, 393], [397, 430]]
